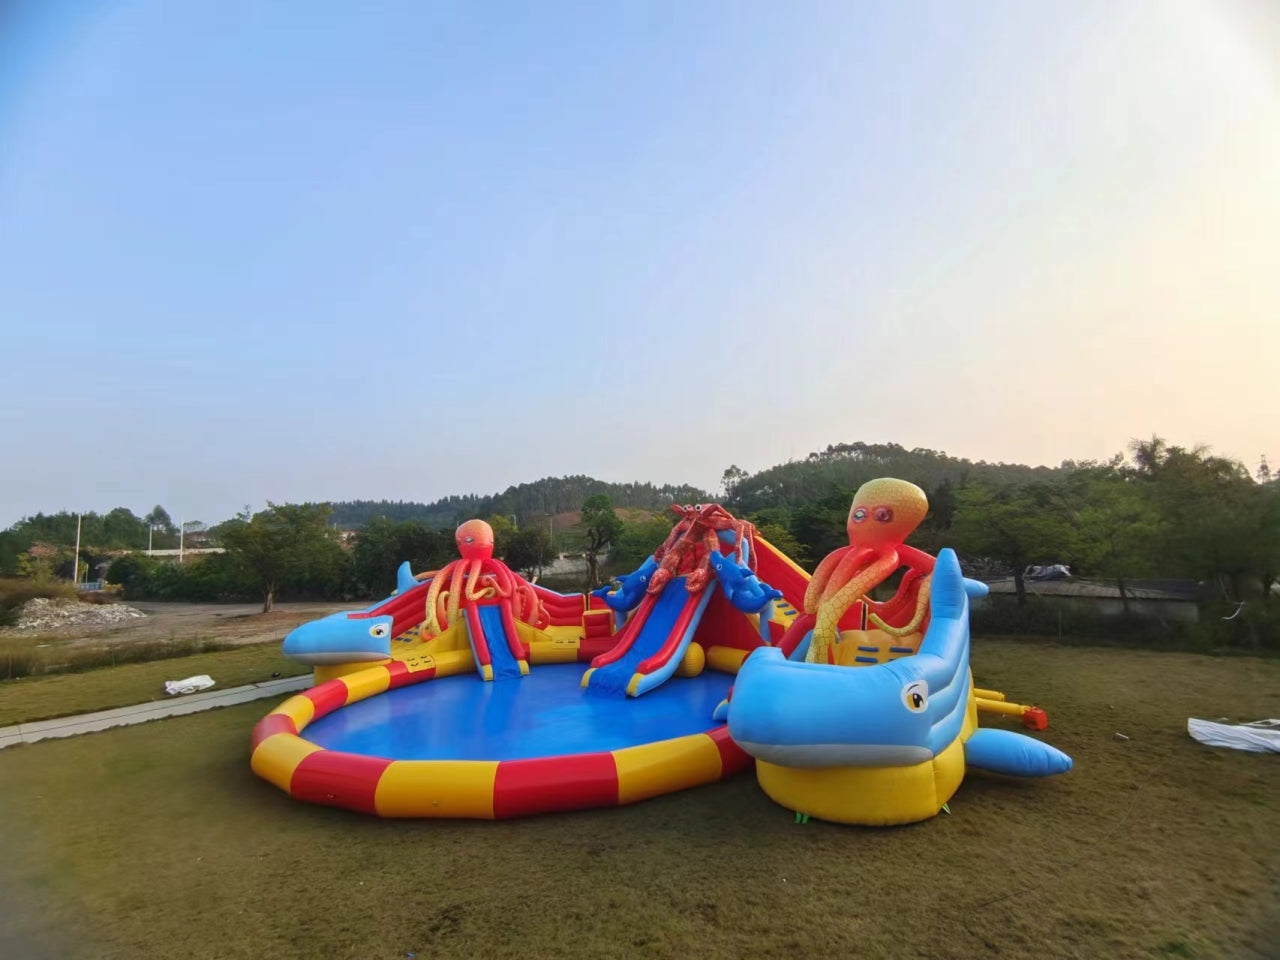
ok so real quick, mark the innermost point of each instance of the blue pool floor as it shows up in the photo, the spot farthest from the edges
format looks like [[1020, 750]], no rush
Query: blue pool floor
[[544, 714]]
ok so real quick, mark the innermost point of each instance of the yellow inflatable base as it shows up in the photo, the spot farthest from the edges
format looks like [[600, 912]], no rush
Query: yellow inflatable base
[[871, 796]]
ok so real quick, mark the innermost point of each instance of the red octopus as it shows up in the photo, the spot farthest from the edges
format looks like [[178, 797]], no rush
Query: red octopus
[[688, 548], [477, 576]]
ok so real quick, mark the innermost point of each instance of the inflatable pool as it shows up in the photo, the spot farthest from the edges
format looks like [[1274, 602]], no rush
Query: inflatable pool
[[471, 692], [383, 741]]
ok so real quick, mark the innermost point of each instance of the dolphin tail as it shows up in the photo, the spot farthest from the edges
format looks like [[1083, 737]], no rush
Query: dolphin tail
[[1003, 751]]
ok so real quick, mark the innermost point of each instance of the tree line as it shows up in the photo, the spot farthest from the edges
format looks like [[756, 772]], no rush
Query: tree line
[[1156, 510], [527, 502]]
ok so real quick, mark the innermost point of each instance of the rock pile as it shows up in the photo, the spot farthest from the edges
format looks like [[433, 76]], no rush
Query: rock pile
[[42, 615]]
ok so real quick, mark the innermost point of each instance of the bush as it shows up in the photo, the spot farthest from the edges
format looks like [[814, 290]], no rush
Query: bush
[[1255, 630]]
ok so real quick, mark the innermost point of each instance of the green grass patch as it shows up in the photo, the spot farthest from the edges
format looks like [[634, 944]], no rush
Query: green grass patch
[[43, 698], [38, 656], [125, 843]]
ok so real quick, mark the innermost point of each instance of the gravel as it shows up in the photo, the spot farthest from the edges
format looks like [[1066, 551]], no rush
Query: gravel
[[42, 615]]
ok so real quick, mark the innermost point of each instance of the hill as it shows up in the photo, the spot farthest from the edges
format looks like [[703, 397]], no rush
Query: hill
[[848, 465], [528, 502]]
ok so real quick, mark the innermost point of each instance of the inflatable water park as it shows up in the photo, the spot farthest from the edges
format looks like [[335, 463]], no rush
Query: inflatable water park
[[472, 692]]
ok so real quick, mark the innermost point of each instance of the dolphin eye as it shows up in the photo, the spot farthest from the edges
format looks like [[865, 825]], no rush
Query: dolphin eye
[[859, 514], [884, 514], [379, 630], [915, 696]]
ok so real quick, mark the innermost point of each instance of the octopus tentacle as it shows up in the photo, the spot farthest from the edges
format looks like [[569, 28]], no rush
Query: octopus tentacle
[[821, 577], [504, 579], [456, 590], [826, 628], [852, 562], [483, 581], [905, 595], [922, 609], [433, 596]]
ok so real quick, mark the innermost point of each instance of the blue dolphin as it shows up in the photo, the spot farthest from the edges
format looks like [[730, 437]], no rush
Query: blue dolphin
[[631, 588], [743, 588]]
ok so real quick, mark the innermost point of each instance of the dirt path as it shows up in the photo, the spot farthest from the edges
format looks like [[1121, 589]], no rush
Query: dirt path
[[226, 622]]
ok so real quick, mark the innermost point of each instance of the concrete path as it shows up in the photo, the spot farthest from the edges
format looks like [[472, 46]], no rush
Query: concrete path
[[142, 712]]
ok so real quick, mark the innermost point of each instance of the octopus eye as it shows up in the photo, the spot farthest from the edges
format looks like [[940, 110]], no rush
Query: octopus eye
[[884, 514], [860, 514], [698, 507]]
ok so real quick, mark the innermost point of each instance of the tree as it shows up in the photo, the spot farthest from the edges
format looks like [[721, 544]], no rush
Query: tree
[[528, 550], [730, 479], [504, 528], [1015, 525], [600, 527], [1118, 529], [284, 545], [637, 540], [774, 524]]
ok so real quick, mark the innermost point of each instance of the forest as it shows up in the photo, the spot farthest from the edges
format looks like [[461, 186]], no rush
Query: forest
[[1156, 510]]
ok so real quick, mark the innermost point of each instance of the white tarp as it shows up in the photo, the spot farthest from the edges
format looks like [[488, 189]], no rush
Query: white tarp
[[1261, 736], [189, 685]]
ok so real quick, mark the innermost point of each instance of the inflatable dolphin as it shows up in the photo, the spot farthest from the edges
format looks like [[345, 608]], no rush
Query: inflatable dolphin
[[880, 744]]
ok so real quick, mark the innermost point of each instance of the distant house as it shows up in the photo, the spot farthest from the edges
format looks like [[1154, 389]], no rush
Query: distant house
[[1162, 599]]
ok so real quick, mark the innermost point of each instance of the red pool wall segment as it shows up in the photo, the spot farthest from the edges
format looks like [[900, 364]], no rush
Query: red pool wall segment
[[732, 757], [327, 697], [402, 676], [337, 779], [550, 784], [270, 725]]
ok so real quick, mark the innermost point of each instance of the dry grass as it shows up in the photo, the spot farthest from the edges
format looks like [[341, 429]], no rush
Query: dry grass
[[149, 840], [42, 698]]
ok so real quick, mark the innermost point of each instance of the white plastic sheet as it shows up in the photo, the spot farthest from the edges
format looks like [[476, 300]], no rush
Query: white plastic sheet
[[189, 685], [1261, 736]]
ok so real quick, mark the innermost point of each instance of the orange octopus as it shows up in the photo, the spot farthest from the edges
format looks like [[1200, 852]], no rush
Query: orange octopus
[[884, 513], [477, 576]]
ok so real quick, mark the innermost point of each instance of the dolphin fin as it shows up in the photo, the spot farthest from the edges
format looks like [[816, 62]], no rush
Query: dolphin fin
[[721, 713], [975, 588], [1003, 751], [404, 579]]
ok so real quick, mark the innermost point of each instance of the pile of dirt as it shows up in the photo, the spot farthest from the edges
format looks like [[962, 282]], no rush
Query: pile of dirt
[[43, 615]]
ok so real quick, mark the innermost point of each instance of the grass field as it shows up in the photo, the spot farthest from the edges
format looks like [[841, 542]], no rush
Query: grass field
[[60, 695], [156, 841]]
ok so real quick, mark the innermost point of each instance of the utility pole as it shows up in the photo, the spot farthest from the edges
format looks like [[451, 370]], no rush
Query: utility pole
[[151, 528], [182, 532], [75, 560]]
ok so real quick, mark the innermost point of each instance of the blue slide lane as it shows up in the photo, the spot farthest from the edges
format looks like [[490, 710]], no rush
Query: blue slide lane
[[613, 677], [504, 662]]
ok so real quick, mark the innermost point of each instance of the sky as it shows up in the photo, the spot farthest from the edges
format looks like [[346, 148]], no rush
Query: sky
[[255, 252]]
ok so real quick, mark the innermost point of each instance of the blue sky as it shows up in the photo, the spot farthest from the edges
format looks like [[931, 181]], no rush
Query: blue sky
[[409, 249]]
